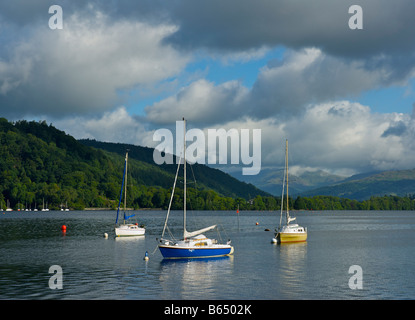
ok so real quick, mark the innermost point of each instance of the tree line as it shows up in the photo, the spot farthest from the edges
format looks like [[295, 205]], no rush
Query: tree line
[[210, 200], [386, 202], [150, 197]]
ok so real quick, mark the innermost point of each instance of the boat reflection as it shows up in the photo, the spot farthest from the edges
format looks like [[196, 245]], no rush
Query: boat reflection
[[190, 278], [292, 261], [129, 239], [184, 260]]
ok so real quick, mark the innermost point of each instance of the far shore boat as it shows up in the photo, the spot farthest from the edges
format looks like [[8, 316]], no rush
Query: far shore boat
[[8, 206], [126, 229]]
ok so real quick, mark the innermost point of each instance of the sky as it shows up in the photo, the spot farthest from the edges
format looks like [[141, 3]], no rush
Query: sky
[[118, 71]]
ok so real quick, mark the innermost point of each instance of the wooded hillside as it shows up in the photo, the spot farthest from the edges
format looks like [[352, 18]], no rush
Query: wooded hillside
[[41, 163]]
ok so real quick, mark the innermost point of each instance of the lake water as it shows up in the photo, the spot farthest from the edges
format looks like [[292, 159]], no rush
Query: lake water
[[381, 243]]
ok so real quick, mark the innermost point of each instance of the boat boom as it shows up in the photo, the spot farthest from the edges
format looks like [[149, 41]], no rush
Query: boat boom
[[188, 234]]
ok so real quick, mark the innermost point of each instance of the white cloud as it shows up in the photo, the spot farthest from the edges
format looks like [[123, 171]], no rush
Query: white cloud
[[310, 76], [201, 101], [85, 66], [283, 88], [341, 137], [112, 126]]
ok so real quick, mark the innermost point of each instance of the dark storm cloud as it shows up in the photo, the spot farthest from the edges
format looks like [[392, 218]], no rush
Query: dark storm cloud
[[237, 25], [106, 48]]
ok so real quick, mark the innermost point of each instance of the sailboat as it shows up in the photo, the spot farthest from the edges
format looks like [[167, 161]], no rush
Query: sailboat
[[193, 244], [43, 207], [126, 229], [8, 206], [288, 232]]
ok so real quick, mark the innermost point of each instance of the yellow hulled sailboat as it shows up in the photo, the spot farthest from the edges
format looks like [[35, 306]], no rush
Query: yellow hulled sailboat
[[288, 232]]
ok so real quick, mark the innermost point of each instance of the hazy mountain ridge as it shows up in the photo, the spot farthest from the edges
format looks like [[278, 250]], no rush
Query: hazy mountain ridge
[[397, 182], [271, 180], [313, 183]]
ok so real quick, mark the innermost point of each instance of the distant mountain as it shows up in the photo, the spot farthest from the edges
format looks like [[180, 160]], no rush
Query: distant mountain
[[363, 186], [314, 183], [270, 180]]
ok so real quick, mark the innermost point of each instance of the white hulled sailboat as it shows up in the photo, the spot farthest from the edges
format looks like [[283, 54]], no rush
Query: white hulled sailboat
[[126, 229]]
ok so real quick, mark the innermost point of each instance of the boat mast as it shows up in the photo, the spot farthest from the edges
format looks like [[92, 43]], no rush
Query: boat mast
[[282, 199], [171, 197], [286, 170], [125, 190], [184, 172]]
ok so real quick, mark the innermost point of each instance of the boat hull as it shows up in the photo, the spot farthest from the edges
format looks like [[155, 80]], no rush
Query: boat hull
[[283, 237], [129, 231], [177, 252]]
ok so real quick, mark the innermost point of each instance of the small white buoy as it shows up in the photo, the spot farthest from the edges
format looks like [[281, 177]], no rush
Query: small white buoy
[[106, 235], [146, 258], [273, 240]]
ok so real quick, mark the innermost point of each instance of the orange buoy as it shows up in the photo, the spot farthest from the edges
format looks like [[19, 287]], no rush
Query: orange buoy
[[257, 223]]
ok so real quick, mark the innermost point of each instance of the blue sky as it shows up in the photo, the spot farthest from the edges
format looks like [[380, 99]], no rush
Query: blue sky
[[120, 70], [393, 99]]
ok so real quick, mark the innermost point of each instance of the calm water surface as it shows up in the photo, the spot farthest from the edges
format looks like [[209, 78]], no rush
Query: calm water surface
[[381, 243]]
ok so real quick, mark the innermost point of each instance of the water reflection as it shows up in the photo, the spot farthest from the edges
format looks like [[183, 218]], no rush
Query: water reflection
[[128, 251], [129, 239], [113, 268], [292, 259], [194, 278]]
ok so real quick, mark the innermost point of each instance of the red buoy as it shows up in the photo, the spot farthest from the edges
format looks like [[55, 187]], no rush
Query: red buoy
[[63, 228]]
